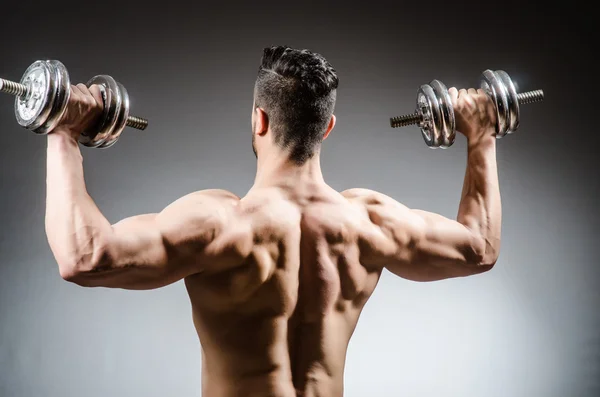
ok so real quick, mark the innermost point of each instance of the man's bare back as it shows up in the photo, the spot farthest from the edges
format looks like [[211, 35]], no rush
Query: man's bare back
[[278, 320], [277, 279], [275, 316]]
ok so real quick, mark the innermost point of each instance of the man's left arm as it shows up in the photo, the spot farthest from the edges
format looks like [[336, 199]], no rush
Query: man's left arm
[[141, 252]]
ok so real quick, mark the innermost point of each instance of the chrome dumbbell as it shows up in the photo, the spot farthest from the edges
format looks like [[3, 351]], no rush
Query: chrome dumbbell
[[43, 93], [435, 115]]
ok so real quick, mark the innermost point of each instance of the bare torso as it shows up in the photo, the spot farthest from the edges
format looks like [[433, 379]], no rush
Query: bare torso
[[279, 323]]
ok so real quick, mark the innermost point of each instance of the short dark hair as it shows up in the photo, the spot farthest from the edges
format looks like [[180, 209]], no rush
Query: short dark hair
[[297, 90]]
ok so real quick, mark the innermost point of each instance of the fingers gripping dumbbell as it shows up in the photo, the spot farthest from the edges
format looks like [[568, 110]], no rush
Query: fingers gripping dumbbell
[[43, 94], [435, 115]]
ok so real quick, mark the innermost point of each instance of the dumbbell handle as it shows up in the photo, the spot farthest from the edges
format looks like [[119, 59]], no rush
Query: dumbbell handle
[[21, 90], [416, 118]]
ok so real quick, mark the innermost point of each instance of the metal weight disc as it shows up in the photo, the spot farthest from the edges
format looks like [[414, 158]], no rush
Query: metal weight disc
[[495, 88], [32, 109], [448, 121], [431, 124], [513, 101], [121, 119], [63, 94], [112, 104]]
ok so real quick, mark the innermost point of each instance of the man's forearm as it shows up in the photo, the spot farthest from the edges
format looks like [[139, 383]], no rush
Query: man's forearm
[[480, 208], [74, 225]]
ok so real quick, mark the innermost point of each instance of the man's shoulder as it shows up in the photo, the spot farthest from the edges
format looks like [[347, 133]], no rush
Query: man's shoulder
[[218, 194], [357, 192], [207, 196], [208, 203], [367, 196]]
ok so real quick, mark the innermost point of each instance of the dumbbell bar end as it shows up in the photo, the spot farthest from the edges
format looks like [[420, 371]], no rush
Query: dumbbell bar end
[[12, 88], [136, 122], [21, 90], [530, 97]]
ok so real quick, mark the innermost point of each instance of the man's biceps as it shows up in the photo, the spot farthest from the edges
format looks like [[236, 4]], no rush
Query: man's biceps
[[429, 216], [452, 241], [439, 226], [133, 237], [136, 222]]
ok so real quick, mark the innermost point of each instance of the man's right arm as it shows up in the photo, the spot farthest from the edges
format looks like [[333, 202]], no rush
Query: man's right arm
[[424, 246]]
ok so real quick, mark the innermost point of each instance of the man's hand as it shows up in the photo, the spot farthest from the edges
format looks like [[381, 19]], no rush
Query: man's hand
[[83, 112], [475, 113]]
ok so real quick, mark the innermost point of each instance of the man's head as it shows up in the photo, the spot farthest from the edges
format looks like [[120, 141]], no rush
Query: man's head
[[294, 99]]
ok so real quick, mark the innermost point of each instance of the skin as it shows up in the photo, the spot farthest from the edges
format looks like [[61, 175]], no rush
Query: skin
[[278, 278]]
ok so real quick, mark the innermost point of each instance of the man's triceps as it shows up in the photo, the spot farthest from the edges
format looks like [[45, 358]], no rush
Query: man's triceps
[[423, 246], [153, 250], [133, 256]]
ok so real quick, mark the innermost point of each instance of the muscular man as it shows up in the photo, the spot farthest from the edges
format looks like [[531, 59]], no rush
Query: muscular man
[[277, 279]]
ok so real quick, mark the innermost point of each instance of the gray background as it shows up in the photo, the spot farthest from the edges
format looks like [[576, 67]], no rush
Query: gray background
[[527, 328]]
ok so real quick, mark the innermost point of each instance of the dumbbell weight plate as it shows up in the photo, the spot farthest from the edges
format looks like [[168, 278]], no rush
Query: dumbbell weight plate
[[493, 85], [448, 122], [112, 105], [514, 115], [33, 109], [63, 93], [435, 107], [123, 114], [428, 107]]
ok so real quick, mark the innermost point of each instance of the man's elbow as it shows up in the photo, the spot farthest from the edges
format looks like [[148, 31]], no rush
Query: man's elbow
[[489, 259], [77, 269], [481, 266], [485, 265], [485, 255], [69, 273]]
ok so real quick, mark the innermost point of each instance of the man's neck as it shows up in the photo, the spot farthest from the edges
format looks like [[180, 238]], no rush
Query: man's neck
[[279, 171]]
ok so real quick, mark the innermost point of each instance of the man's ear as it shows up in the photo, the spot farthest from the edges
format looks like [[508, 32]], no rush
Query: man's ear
[[330, 126], [262, 121]]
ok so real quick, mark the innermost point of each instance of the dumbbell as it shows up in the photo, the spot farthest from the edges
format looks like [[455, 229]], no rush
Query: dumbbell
[[43, 94], [435, 115]]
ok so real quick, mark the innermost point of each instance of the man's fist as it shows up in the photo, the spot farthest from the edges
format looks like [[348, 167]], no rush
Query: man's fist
[[83, 112], [475, 113]]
